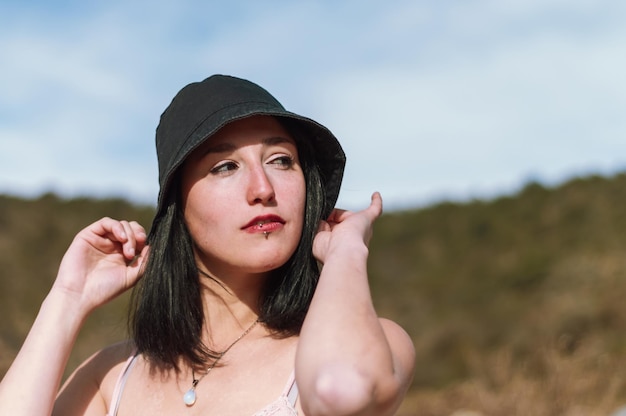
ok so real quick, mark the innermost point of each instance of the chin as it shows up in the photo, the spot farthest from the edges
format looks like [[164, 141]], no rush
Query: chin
[[265, 265]]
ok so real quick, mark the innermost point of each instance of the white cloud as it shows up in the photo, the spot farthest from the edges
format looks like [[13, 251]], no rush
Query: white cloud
[[429, 98], [544, 105]]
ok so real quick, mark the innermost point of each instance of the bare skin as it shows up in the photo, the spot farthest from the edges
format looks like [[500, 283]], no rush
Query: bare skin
[[347, 360]]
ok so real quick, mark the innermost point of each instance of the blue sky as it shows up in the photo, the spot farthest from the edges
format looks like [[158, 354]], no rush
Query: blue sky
[[431, 99]]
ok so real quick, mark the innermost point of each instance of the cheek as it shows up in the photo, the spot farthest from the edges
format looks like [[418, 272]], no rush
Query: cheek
[[300, 206], [202, 210], [298, 196]]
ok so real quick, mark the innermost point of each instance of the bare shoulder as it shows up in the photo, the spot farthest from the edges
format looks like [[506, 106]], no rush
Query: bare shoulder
[[89, 388], [102, 366]]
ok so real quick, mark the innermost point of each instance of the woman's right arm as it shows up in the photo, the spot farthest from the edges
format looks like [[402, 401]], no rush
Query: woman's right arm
[[103, 260]]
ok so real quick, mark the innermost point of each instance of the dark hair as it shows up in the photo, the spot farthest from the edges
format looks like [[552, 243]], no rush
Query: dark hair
[[166, 313]]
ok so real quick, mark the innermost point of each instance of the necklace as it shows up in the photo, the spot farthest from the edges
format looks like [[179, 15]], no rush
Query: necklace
[[190, 396]]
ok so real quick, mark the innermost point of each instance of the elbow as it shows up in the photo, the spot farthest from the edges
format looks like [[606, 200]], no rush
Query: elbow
[[343, 391]]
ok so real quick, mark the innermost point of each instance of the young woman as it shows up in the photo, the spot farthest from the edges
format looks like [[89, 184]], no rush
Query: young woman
[[250, 293]]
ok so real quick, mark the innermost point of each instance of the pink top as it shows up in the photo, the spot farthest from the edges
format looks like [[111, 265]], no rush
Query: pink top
[[283, 406]]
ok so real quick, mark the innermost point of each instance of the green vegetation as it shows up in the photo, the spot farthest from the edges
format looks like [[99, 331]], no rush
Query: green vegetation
[[34, 235], [515, 305]]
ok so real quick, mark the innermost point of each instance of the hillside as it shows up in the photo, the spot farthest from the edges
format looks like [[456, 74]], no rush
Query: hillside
[[515, 304]]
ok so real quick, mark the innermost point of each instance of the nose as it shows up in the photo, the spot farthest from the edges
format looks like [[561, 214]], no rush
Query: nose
[[260, 188]]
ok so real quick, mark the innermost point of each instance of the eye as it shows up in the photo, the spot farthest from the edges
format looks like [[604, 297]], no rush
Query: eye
[[223, 168], [284, 162]]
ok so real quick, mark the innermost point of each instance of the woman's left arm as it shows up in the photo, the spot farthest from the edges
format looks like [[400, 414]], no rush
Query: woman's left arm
[[349, 361]]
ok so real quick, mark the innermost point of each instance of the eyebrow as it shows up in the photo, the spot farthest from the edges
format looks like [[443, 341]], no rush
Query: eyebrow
[[229, 147]]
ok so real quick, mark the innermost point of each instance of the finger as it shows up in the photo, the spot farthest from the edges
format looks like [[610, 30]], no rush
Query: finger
[[107, 231], [138, 262], [108, 236], [129, 246], [338, 215], [118, 233], [139, 235], [323, 226], [139, 231], [112, 229], [376, 204]]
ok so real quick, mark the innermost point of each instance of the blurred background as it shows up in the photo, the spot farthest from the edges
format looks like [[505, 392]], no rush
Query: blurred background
[[493, 129]]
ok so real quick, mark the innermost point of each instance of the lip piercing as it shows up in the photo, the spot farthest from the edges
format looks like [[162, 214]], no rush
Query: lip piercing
[[265, 233]]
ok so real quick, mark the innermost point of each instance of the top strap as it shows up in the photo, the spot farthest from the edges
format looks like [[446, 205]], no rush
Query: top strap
[[119, 385], [291, 390]]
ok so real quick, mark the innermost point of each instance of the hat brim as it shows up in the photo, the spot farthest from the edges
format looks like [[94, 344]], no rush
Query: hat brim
[[201, 109], [328, 153]]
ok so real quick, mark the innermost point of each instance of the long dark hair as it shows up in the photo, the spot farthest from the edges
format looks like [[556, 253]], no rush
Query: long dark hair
[[166, 313]]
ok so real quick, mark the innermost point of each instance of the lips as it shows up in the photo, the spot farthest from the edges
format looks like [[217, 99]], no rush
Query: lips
[[264, 223]]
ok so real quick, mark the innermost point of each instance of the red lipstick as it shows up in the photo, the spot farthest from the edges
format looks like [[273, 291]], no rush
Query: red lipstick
[[264, 224]]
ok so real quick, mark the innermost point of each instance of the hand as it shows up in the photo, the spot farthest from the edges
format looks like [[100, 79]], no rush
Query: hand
[[343, 228], [103, 260]]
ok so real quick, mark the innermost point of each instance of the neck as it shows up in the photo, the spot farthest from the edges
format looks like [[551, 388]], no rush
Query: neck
[[230, 306]]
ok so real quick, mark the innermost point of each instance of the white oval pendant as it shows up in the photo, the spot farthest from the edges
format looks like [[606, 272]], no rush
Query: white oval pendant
[[190, 397]]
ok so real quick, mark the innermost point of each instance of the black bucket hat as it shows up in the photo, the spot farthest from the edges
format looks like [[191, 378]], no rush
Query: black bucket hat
[[200, 109]]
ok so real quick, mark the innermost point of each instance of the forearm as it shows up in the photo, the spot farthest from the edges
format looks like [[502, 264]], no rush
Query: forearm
[[344, 358], [32, 382]]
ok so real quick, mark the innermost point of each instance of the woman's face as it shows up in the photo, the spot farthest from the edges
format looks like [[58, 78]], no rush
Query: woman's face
[[243, 195]]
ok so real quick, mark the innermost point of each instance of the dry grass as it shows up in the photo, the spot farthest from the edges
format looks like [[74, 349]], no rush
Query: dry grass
[[556, 382]]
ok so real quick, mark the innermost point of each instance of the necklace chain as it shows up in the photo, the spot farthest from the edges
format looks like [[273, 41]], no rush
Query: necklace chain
[[190, 396]]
